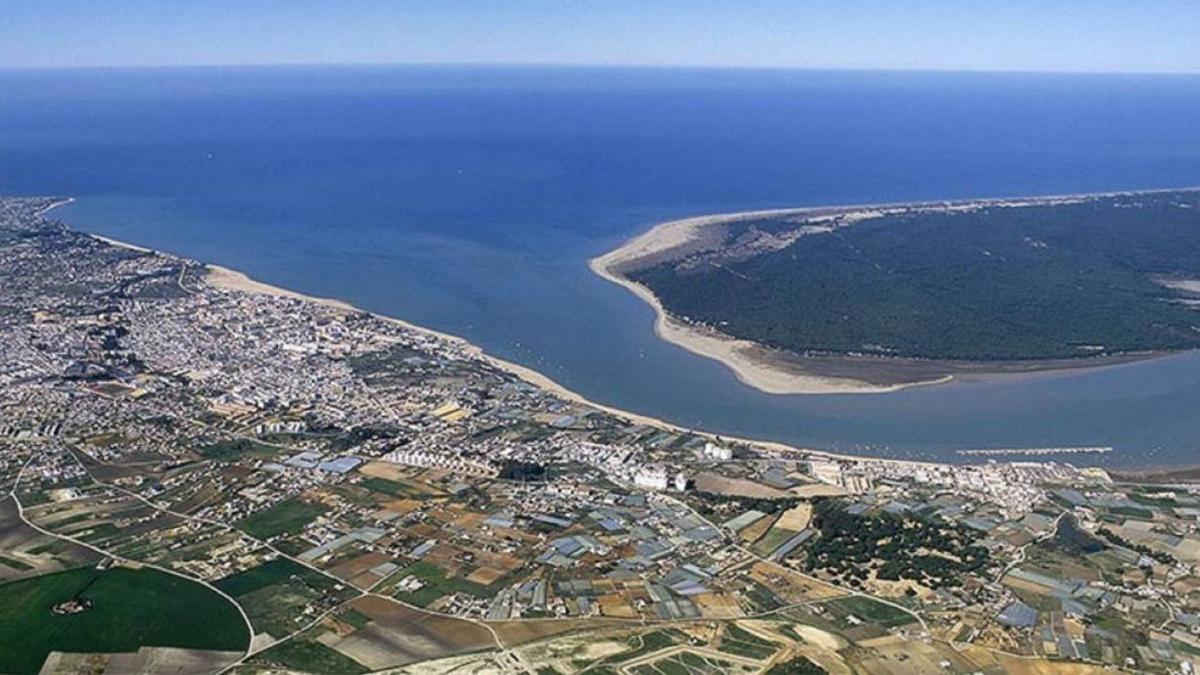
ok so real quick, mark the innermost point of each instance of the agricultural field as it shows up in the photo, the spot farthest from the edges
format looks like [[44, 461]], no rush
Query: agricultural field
[[287, 517], [26, 552], [871, 611], [740, 642], [437, 585], [279, 594], [304, 655], [375, 633], [126, 609]]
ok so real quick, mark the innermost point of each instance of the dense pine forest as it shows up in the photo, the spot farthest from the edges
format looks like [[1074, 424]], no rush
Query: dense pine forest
[[1108, 275]]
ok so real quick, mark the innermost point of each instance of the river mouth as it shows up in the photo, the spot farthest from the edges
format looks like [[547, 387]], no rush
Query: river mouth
[[472, 206], [1141, 408]]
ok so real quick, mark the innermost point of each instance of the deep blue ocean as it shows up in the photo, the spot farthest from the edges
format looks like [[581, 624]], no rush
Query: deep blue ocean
[[468, 199]]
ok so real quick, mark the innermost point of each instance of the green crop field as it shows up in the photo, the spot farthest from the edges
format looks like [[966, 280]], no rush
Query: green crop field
[[873, 611], [773, 539], [234, 449], [287, 517], [393, 488], [306, 656], [267, 574], [276, 592], [437, 584], [130, 609], [744, 643]]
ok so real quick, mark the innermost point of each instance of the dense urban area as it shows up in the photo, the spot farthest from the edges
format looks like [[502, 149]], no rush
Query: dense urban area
[[202, 478]]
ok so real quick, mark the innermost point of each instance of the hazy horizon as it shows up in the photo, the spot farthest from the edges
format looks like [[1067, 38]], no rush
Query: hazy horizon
[[594, 66], [1020, 36]]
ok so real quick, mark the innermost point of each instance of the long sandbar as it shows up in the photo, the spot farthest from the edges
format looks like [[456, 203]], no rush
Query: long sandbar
[[779, 372], [751, 363]]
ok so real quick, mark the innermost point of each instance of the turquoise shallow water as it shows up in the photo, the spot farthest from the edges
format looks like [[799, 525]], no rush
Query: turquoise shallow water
[[469, 199]]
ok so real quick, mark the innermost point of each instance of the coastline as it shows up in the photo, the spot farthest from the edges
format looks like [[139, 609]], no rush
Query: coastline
[[229, 279], [225, 278], [222, 277], [777, 372], [739, 355], [751, 363]]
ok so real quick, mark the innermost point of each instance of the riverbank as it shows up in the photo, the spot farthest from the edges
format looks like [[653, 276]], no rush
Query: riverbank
[[767, 370], [752, 364], [777, 371], [222, 277], [229, 279], [852, 451]]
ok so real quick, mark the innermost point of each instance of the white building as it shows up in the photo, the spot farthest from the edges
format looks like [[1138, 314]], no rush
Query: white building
[[857, 482], [717, 452], [432, 460], [825, 471], [652, 478]]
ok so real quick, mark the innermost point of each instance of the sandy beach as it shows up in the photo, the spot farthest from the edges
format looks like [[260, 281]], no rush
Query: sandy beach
[[222, 277], [752, 364], [739, 356], [225, 278]]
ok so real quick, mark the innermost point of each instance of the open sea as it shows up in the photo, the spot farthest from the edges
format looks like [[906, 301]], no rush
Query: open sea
[[469, 199]]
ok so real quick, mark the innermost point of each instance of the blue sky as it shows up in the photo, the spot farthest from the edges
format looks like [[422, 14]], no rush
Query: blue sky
[[1071, 35]]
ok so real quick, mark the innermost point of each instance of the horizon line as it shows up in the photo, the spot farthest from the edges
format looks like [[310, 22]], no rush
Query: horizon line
[[587, 66]]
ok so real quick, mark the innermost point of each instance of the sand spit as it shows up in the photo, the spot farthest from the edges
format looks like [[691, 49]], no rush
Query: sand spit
[[778, 372], [752, 364], [741, 356]]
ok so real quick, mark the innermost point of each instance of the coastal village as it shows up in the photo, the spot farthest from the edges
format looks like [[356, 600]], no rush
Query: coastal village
[[374, 496]]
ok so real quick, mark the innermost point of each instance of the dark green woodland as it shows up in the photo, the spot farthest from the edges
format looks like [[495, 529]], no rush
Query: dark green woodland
[[1106, 276]]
